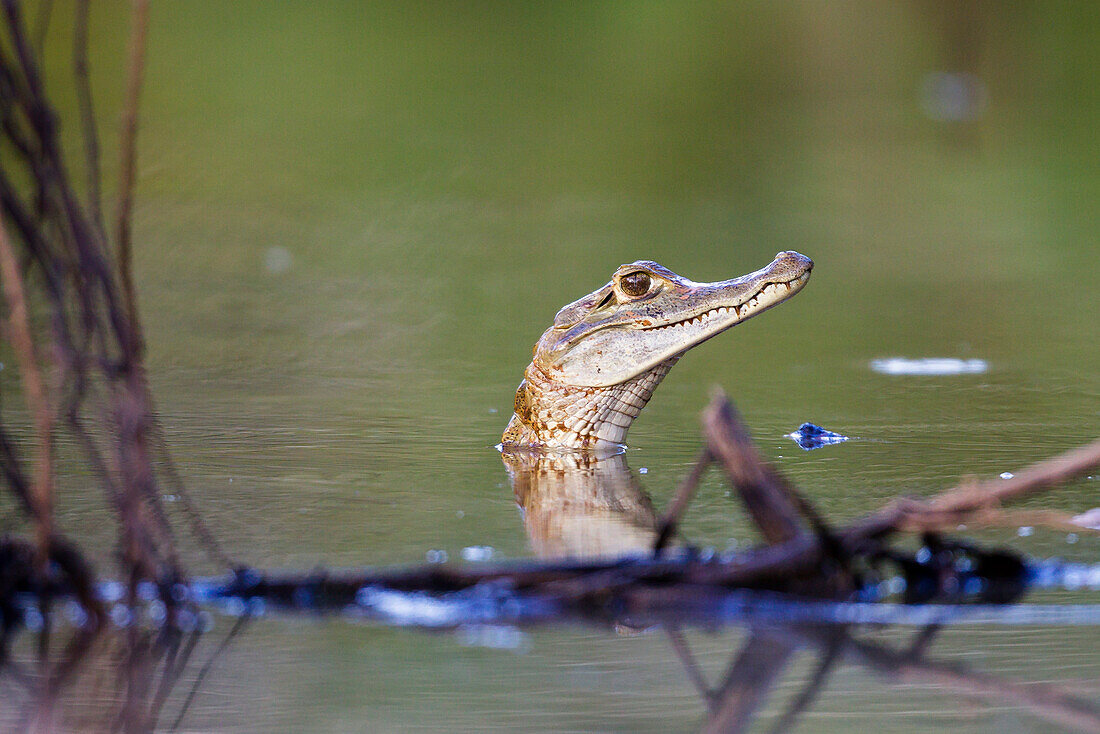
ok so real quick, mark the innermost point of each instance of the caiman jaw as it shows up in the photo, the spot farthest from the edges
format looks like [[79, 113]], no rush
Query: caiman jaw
[[612, 347]]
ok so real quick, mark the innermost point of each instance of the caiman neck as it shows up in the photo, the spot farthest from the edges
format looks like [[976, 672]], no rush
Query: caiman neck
[[551, 414]]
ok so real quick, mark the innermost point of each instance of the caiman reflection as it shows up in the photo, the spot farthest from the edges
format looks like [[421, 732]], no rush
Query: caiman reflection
[[596, 368], [580, 504]]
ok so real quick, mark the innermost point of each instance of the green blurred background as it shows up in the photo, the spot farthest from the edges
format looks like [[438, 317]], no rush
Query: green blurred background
[[354, 220]]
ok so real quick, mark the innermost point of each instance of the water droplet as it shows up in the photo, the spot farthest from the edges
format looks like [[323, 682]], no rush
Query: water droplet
[[1074, 578], [111, 591], [644, 470], [492, 411], [1071, 538], [436, 556], [186, 621], [121, 616], [76, 614], [477, 553], [460, 514], [1007, 475], [32, 619], [924, 555], [1025, 531], [157, 612]]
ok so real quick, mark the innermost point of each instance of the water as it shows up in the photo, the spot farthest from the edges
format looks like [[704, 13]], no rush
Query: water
[[354, 222]]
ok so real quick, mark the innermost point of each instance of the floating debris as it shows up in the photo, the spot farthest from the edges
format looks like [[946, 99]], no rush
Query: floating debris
[[1007, 475], [1088, 519], [810, 437], [929, 366]]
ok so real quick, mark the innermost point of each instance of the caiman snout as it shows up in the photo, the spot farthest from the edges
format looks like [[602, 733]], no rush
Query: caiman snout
[[794, 263]]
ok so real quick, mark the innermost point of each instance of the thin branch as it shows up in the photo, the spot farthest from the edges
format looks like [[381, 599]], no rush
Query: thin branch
[[960, 504], [766, 494], [128, 161], [34, 389], [87, 112], [680, 501], [1036, 477]]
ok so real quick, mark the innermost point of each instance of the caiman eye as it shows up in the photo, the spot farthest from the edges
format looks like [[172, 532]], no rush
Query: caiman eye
[[635, 284]]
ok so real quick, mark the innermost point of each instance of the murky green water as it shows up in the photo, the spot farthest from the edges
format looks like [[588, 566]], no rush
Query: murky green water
[[354, 222]]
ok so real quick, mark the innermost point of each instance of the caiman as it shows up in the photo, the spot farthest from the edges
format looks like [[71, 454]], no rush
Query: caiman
[[596, 368]]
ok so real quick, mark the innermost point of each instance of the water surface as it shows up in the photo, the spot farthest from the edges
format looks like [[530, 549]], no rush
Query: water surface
[[354, 222]]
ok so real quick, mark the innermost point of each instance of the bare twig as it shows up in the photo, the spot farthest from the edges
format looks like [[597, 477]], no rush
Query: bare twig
[[993, 517], [34, 389], [128, 160], [765, 492], [965, 502], [680, 501], [1031, 479], [87, 113]]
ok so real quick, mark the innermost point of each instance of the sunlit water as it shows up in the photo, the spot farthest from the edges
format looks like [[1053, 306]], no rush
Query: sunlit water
[[354, 223]]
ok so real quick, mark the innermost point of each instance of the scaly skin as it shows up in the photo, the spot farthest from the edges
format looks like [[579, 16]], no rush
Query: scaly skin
[[596, 368]]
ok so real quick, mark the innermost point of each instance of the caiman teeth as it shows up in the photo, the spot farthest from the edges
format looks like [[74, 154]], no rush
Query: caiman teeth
[[750, 304]]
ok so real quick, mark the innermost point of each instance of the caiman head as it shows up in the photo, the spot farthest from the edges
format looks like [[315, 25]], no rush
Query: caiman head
[[595, 369]]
